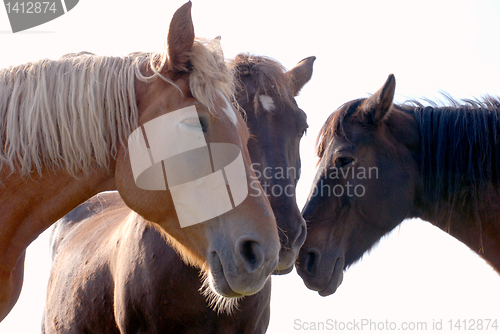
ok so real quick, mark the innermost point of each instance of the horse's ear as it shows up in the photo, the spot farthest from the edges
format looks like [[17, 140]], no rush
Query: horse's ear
[[180, 38], [380, 102], [301, 74]]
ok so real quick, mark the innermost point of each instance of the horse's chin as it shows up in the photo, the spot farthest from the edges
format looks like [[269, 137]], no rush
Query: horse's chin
[[282, 271], [218, 280], [286, 262], [335, 280], [220, 285], [218, 302]]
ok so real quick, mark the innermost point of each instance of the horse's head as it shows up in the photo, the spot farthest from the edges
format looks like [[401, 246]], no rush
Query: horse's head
[[239, 245], [266, 92], [364, 187]]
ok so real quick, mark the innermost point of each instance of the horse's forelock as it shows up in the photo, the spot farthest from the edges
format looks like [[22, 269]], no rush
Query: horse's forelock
[[336, 125], [325, 135], [210, 74], [268, 77]]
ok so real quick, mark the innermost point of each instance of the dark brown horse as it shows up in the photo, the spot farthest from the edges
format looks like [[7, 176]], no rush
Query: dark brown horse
[[266, 92], [64, 127], [114, 272], [381, 163]]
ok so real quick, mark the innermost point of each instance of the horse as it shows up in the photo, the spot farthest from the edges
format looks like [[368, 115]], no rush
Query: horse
[[381, 163], [117, 273], [266, 91], [64, 129], [114, 272]]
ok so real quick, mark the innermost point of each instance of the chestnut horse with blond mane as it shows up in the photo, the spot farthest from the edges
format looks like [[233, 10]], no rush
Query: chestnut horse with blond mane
[[64, 126], [440, 164], [116, 274]]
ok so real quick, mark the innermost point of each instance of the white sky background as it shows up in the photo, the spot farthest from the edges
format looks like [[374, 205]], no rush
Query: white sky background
[[418, 273]]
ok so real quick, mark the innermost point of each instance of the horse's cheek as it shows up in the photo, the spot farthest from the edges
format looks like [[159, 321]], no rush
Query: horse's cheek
[[123, 177], [147, 203]]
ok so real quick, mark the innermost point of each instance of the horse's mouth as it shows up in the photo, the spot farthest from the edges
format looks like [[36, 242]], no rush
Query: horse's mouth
[[287, 258], [218, 279], [284, 271], [284, 267], [335, 280]]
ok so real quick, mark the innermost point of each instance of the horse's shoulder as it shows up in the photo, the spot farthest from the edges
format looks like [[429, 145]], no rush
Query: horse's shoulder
[[72, 222], [147, 241]]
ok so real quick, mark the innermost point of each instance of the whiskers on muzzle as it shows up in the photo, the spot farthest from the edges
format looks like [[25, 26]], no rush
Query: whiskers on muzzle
[[216, 301]]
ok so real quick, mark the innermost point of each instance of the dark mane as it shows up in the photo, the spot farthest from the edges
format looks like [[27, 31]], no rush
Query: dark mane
[[463, 143], [266, 74]]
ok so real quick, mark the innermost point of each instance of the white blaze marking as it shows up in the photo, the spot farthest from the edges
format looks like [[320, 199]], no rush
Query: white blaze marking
[[267, 102]]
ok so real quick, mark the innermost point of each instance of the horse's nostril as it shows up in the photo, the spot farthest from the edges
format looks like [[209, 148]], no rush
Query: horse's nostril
[[251, 253], [311, 258], [248, 252]]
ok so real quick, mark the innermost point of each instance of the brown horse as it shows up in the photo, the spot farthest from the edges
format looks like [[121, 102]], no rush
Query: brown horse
[[114, 272], [381, 163], [266, 92], [64, 128]]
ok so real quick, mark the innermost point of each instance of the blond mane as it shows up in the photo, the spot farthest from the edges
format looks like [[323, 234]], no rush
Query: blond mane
[[73, 113]]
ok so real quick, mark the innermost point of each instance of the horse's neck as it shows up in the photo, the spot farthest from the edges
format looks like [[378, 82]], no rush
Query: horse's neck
[[482, 236], [29, 205], [458, 187]]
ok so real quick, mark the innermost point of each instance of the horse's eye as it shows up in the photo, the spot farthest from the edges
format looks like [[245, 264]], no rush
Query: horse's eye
[[196, 123], [192, 122], [343, 161]]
